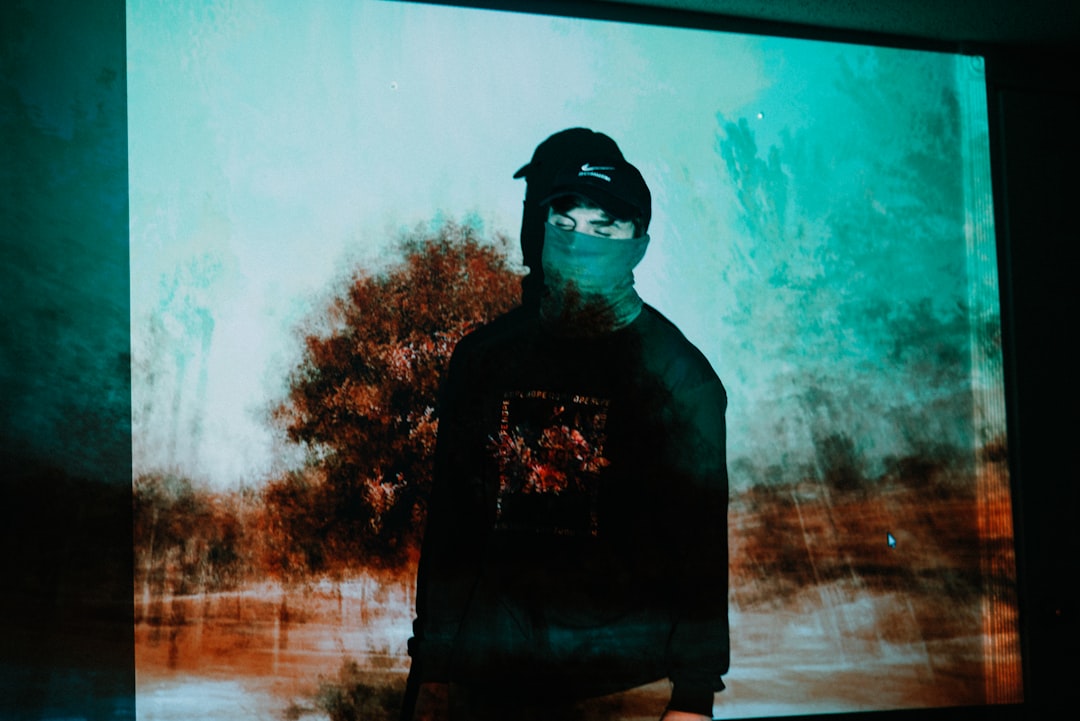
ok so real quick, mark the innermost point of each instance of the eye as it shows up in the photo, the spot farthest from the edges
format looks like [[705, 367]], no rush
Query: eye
[[603, 227], [561, 221]]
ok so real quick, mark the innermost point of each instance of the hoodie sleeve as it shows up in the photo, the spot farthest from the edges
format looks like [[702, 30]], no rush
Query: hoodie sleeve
[[452, 544], [698, 649]]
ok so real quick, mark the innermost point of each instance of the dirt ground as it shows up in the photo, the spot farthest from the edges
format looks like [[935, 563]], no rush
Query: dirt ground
[[231, 657], [839, 602]]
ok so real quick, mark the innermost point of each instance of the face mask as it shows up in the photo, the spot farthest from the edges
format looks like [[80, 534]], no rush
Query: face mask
[[590, 281]]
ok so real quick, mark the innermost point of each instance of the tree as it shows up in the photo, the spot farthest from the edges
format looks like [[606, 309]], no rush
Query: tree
[[293, 527], [364, 398], [186, 539]]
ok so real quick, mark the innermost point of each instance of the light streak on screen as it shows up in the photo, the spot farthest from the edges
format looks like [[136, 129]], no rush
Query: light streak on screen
[[822, 231]]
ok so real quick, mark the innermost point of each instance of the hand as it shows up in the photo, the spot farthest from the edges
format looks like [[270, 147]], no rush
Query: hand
[[432, 702], [683, 716]]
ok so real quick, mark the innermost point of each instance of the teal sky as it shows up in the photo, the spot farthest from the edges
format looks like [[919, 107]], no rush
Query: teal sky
[[275, 146]]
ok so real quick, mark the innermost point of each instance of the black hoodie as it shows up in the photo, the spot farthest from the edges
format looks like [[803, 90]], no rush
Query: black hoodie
[[577, 537]]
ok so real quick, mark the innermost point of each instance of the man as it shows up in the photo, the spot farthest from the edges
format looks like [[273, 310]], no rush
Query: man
[[576, 542]]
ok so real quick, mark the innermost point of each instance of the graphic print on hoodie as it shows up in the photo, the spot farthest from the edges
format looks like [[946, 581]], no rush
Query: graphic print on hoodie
[[549, 451]]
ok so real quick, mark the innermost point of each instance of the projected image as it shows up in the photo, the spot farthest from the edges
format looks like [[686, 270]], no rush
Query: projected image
[[323, 204]]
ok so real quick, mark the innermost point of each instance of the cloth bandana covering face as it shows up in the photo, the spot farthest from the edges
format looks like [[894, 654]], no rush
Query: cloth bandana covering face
[[589, 276]]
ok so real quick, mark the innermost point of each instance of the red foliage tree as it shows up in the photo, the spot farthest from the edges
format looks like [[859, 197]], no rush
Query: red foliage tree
[[293, 526], [364, 397]]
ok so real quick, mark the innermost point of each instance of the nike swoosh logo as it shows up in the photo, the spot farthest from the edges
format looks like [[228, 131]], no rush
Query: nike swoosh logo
[[586, 168]]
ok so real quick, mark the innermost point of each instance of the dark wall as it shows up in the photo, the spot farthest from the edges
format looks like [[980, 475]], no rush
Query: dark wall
[[66, 642], [1035, 105], [67, 648]]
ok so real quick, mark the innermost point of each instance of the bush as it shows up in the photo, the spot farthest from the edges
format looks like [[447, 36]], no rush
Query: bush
[[354, 697]]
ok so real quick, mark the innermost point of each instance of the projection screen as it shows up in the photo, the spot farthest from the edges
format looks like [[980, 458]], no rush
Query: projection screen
[[822, 230]]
